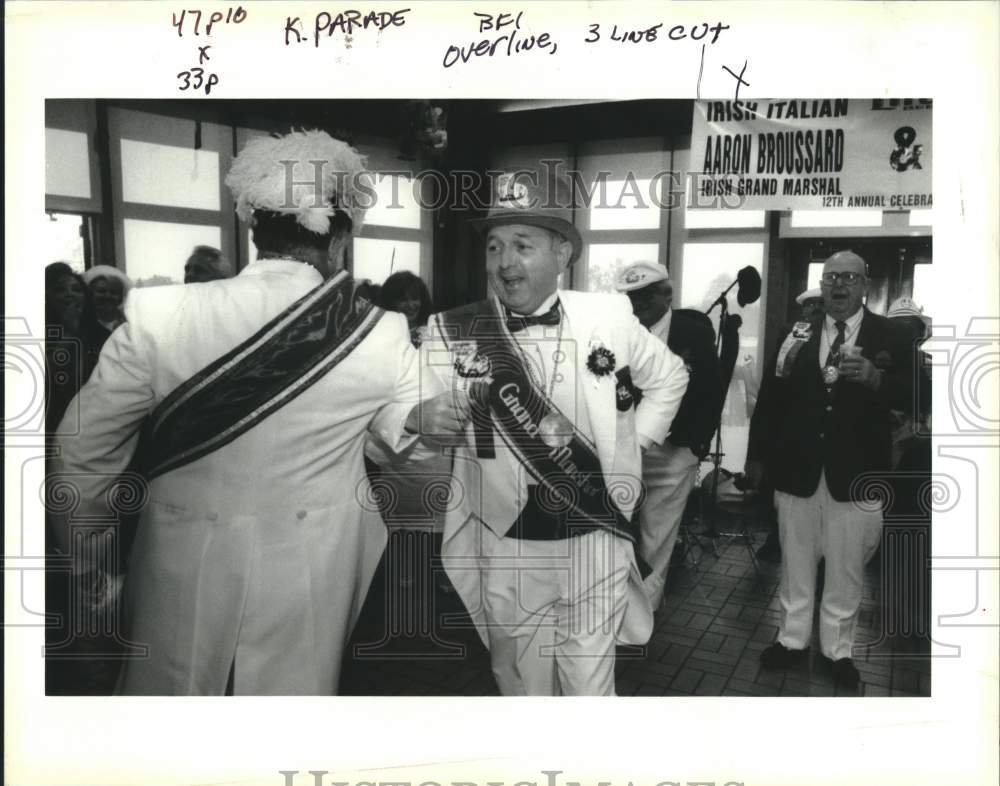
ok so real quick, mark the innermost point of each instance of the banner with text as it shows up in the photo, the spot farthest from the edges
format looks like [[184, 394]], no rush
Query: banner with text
[[811, 154]]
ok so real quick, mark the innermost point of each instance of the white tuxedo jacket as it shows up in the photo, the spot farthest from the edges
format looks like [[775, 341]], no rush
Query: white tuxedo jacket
[[263, 550], [594, 319]]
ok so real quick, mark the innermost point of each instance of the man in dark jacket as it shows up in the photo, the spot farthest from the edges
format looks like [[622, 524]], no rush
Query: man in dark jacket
[[669, 470], [821, 432]]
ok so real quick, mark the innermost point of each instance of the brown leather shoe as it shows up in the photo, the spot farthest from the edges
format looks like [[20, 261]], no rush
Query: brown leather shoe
[[778, 656]]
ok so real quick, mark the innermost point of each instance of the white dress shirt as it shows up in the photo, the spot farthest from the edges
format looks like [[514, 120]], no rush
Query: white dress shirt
[[661, 328], [549, 349], [829, 333]]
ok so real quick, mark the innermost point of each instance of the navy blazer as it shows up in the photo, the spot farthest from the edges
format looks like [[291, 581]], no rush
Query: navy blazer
[[802, 427], [692, 338]]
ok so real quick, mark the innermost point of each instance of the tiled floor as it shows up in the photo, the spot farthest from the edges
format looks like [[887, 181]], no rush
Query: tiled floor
[[718, 614]]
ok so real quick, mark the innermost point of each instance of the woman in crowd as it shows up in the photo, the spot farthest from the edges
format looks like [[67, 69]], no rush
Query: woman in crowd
[[72, 352], [108, 286], [408, 294], [76, 661]]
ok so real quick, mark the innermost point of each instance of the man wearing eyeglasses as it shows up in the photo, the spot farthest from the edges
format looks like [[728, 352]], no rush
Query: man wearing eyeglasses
[[821, 432]]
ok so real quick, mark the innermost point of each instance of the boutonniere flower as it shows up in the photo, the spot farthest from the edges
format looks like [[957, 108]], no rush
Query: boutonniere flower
[[601, 361], [468, 360]]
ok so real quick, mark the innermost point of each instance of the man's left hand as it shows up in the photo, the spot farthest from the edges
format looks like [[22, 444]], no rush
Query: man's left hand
[[442, 418], [860, 369]]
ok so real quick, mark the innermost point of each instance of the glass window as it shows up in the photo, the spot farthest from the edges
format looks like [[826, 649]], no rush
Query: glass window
[[625, 204], [67, 163], [155, 251], [168, 175], [723, 219], [61, 235], [377, 259], [836, 218], [720, 219], [604, 260], [815, 271], [707, 269], [395, 202]]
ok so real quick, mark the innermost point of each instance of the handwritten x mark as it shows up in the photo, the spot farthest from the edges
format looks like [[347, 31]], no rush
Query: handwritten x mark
[[739, 79]]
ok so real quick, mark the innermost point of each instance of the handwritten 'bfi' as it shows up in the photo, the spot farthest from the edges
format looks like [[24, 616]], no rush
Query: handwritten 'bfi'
[[516, 41]]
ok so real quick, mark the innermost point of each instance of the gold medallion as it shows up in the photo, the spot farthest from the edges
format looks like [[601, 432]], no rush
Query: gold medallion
[[555, 430]]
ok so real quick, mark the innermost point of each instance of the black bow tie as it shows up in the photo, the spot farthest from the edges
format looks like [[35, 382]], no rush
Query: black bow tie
[[516, 322]]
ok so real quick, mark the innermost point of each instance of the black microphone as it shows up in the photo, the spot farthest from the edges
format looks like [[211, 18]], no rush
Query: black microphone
[[748, 280]]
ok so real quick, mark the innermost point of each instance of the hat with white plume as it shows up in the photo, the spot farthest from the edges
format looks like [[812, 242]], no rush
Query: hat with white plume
[[308, 174]]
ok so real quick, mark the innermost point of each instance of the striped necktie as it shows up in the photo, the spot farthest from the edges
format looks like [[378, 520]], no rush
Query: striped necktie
[[834, 357]]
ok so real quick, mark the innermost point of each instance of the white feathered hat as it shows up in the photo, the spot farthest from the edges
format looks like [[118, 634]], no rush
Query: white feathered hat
[[280, 174]]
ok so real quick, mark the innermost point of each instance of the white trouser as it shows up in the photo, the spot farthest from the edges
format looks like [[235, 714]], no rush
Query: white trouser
[[847, 536], [668, 473], [553, 609]]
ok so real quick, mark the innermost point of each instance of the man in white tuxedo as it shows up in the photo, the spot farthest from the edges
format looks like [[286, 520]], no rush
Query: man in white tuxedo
[[252, 397], [539, 538]]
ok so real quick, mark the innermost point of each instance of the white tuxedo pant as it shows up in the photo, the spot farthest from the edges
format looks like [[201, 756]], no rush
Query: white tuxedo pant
[[847, 536], [553, 609], [668, 472]]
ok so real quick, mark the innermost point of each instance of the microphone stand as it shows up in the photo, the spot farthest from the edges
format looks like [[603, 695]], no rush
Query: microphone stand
[[710, 530], [723, 302], [717, 454], [696, 539], [749, 282]]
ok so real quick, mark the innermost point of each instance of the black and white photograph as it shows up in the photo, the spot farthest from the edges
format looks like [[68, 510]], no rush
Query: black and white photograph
[[467, 395], [527, 420]]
